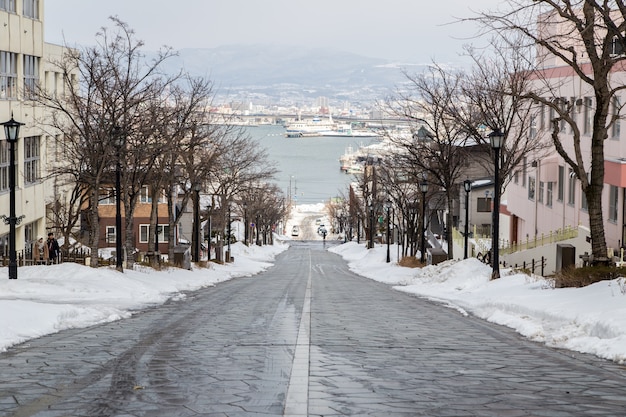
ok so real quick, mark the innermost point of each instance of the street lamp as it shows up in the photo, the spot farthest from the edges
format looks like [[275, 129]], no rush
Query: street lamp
[[467, 184], [388, 206], [497, 140], [424, 189], [196, 223], [371, 208], [119, 140], [245, 219], [12, 130], [229, 233]]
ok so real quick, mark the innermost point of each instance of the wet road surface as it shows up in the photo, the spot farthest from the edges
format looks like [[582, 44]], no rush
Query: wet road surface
[[306, 337]]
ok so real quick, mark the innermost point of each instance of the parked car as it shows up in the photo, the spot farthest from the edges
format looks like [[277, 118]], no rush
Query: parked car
[[295, 231]]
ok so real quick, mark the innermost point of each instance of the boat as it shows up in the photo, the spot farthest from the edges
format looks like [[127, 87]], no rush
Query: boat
[[345, 130], [310, 127]]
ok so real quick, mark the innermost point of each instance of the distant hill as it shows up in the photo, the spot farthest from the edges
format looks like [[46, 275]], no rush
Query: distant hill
[[274, 69]]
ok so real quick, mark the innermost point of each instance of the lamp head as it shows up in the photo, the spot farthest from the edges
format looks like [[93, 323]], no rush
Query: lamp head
[[467, 184], [12, 130], [496, 138]]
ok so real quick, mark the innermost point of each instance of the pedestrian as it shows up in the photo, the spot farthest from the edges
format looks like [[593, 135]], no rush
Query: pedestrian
[[40, 251], [53, 248]]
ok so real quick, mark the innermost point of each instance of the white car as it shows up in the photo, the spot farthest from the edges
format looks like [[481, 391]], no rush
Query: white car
[[295, 231]]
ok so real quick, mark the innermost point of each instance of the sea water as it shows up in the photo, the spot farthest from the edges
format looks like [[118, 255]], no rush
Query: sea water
[[309, 168]]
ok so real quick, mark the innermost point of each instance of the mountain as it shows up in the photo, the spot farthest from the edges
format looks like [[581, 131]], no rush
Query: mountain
[[274, 69]]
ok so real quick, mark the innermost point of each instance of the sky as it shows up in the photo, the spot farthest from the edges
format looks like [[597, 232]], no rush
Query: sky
[[48, 299], [398, 30]]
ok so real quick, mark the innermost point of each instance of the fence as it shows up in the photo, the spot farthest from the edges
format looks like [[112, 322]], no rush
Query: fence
[[483, 242], [25, 257]]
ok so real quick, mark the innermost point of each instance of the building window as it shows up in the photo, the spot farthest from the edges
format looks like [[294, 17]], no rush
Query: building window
[[531, 188], [163, 230], [483, 205], [31, 76], [561, 184], [524, 162], [32, 159], [145, 196], [4, 165], [571, 199], [8, 5], [549, 193], [107, 196], [31, 9], [615, 127], [111, 238], [532, 129], [541, 191], [588, 114], [516, 176], [8, 75], [613, 195]]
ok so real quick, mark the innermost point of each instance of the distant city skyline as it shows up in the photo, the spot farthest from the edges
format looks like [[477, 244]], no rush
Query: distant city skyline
[[397, 30]]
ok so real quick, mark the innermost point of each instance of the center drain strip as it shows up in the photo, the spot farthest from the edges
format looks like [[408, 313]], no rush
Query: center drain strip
[[296, 403]]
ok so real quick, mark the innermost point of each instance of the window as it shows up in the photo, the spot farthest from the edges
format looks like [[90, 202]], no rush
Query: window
[[571, 199], [31, 9], [146, 197], [4, 165], [615, 127], [516, 176], [8, 5], [588, 114], [531, 188], [107, 196], [483, 204], [561, 184], [532, 129], [111, 237], [563, 105], [613, 195], [32, 159], [163, 230], [541, 191], [549, 193], [8, 75], [542, 116], [524, 162], [31, 76]]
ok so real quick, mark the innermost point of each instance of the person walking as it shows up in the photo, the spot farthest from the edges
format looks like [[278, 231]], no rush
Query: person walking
[[40, 251], [53, 248]]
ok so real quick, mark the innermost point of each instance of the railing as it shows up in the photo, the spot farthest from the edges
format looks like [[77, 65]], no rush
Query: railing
[[483, 241], [539, 240]]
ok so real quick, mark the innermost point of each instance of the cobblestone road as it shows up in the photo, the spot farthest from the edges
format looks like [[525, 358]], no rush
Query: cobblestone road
[[309, 338]]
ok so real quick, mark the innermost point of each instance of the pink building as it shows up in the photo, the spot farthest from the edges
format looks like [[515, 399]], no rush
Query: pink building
[[544, 196]]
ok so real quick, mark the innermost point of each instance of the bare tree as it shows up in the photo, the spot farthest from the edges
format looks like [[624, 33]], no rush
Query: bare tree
[[436, 150], [585, 42]]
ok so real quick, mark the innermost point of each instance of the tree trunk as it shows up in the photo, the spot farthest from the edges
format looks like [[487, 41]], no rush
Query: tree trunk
[[94, 228]]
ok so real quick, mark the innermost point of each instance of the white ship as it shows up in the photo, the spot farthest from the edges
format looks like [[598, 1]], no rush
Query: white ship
[[310, 127], [345, 130]]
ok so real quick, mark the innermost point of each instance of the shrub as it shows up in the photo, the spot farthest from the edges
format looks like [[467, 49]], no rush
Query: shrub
[[581, 277], [410, 262]]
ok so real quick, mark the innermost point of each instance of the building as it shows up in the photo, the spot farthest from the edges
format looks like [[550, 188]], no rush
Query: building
[[544, 196], [25, 63]]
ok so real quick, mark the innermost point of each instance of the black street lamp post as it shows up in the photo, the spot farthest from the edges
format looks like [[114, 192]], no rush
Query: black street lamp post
[[12, 130], [196, 223], [388, 206], [467, 184], [246, 226], [424, 190], [371, 242], [120, 141], [497, 140], [229, 234]]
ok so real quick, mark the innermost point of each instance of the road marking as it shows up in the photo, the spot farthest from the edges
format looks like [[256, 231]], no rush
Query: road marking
[[297, 401]]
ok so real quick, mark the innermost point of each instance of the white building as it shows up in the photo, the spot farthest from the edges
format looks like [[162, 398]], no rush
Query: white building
[[25, 62]]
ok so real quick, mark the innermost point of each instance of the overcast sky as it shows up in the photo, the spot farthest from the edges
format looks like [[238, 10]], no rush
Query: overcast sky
[[412, 30]]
